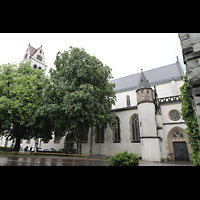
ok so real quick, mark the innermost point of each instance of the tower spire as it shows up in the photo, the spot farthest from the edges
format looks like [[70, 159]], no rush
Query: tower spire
[[143, 82]]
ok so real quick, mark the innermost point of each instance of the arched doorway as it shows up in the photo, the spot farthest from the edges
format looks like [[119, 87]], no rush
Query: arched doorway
[[179, 148]]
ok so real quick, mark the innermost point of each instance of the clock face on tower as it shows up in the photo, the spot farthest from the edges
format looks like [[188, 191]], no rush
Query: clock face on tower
[[174, 115]]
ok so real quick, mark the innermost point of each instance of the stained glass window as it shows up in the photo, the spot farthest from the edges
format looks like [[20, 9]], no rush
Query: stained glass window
[[174, 115]]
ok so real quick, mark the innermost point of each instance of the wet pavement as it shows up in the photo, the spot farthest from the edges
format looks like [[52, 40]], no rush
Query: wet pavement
[[60, 161], [169, 163], [43, 161]]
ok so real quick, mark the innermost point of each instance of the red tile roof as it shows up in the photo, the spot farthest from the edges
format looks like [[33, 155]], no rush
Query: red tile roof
[[32, 50]]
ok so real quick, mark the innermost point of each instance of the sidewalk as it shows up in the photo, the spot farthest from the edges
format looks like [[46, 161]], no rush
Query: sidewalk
[[166, 163]]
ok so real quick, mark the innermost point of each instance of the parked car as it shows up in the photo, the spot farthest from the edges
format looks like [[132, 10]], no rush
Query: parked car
[[32, 150], [49, 149], [40, 149], [61, 150]]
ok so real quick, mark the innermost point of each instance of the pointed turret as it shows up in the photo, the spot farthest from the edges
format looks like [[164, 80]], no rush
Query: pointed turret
[[143, 82], [150, 144], [144, 90]]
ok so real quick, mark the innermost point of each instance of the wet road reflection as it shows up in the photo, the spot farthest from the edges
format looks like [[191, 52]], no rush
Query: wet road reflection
[[39, 161]]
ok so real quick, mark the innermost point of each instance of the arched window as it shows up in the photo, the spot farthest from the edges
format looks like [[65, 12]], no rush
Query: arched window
[[135, 130], [117, 132], [147, 95], [34, 66], [142, 95], [39, 68], [128, 100], [39, 57]]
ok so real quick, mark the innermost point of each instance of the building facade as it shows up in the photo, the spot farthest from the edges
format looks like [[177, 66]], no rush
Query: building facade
[[148, 113]]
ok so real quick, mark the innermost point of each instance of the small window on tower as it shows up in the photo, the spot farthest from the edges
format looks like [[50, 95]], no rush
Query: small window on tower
[[147, 95], [142, 95], [34, 66], [39, 68]]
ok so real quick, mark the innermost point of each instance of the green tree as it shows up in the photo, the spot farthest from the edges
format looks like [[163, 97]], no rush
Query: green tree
[[81, 85], [190, 118], [21, 91]]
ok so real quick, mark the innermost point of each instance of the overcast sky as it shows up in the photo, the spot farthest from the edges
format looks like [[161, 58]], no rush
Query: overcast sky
[[125, 53]]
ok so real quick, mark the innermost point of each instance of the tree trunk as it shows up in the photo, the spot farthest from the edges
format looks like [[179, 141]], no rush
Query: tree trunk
[[17, 143], [79, 140]]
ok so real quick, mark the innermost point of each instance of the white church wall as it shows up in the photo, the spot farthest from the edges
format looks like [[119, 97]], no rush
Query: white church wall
[[109, 148], [166, 108], [121, 99], [169, 89]]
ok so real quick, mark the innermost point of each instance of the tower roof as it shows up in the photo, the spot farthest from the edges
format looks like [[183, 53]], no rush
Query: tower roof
[[143, 82], [32, 50]]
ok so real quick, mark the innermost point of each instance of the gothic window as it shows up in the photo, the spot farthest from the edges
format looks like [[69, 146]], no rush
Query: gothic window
[[117, 132], [100, 135], [35, 66], [135, 137], [128, 100], [147, 95]]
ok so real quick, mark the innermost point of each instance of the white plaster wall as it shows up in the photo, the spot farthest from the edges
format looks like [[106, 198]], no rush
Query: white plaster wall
[[109, 148], [121, 99], [151, 149], [147, 119]]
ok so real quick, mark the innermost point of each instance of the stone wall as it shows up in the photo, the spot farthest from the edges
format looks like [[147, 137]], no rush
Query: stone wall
[[190, 43]]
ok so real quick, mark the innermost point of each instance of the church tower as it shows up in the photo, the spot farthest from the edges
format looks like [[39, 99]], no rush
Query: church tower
[[150, 144], [36, 56]]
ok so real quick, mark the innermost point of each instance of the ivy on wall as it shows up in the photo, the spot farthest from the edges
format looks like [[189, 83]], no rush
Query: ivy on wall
[[189, 115]]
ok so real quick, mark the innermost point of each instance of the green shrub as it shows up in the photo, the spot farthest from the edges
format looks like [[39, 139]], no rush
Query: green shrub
[[6, 149], [124, 159]]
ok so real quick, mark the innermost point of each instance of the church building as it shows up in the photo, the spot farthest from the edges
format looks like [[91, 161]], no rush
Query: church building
[[148, 113]]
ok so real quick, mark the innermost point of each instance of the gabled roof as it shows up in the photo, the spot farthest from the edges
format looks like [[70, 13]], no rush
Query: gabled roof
[[32, 50], [155, 76], [143, 82]]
